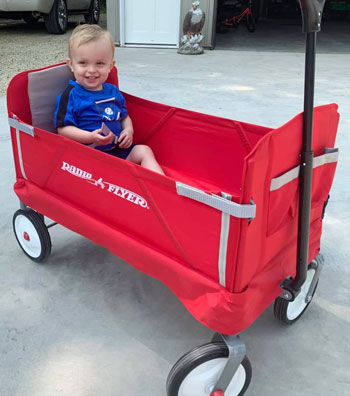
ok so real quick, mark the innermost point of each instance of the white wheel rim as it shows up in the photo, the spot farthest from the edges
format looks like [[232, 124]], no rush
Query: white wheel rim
[[27, 236], [201, 380], [296, 307]]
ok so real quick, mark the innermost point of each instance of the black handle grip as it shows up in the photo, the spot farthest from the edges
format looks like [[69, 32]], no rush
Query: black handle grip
[[312, 14]]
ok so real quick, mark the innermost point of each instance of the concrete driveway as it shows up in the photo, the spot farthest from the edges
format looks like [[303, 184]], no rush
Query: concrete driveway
[[88, 324]]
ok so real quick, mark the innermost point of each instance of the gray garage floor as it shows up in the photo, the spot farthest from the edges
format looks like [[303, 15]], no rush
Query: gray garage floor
[[87, 324]]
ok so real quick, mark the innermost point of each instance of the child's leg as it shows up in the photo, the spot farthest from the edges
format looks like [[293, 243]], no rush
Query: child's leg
[[143, 155]]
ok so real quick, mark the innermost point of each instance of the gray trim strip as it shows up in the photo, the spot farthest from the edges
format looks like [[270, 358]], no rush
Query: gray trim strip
[[327, 158], [21, 127], [330, 156], [20, 159], [222, 204], [225, 229]]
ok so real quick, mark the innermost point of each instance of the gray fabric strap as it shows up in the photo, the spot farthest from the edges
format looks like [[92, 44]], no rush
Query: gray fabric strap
[[21, 127], [224, 233], [222, 204], [331, 155]]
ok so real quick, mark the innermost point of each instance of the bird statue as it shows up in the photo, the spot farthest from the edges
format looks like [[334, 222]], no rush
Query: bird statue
[[192, 26]]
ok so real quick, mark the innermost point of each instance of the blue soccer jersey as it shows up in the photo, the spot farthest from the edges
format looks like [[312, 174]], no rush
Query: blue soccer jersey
[[87, 110]]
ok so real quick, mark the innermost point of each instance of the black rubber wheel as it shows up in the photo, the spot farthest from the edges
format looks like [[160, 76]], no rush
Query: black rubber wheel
[[56, 21], [288, 312], [32, 234], [250, 21], [93, 16], [196, 373]]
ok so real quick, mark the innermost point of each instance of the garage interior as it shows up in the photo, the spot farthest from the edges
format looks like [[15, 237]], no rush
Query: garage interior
[[279, 27]]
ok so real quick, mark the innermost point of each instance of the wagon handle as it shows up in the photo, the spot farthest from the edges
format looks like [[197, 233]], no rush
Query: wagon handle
[[311, 15], [311, 11]]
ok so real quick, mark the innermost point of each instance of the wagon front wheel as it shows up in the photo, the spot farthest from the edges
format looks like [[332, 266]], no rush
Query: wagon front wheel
[[197, 372], [288, 312], [32, 234]]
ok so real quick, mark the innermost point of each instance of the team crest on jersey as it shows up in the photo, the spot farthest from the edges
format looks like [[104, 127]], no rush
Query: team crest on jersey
[[108, 109], [104, 185]]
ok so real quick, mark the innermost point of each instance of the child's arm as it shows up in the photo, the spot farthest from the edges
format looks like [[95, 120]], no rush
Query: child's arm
[[125, 138], [86, 137]]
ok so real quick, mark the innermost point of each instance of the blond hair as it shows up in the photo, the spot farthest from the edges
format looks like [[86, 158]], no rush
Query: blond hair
[[83, 34]]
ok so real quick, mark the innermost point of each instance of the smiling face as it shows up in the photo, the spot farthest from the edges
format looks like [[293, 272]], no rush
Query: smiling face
[[91, 63]]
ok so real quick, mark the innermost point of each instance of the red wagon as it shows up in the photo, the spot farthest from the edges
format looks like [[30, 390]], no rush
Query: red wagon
[[222, 230]]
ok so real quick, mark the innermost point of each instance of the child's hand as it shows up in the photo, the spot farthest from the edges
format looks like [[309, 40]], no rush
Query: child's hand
[[100, 139], [125, 138]]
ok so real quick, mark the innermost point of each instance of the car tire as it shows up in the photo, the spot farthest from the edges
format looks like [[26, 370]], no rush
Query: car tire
[[93, 15], [56, 21]]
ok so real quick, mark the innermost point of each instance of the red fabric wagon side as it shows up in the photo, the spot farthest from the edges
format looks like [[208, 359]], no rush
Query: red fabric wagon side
[[219, 230]]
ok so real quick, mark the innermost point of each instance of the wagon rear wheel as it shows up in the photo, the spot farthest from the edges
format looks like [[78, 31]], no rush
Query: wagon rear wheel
[[288, 312], [32, 234], [197, 372]]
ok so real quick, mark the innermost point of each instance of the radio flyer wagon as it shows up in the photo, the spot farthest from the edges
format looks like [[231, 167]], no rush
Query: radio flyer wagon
[[235, 224]]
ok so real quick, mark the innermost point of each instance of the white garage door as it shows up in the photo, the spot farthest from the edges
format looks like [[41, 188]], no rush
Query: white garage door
[[151, 22]]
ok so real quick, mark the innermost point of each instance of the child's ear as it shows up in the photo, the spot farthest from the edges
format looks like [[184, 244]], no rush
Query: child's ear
[[112, 64], [69, 64]]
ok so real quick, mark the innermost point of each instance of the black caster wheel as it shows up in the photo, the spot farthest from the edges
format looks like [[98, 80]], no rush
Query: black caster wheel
[[288, 312], [32, 234], [196, 373]]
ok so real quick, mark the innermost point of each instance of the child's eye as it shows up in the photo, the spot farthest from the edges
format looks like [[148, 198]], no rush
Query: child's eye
[[81, 63]]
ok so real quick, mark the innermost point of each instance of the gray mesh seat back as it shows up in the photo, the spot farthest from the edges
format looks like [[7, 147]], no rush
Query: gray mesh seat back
[[43, 88]]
